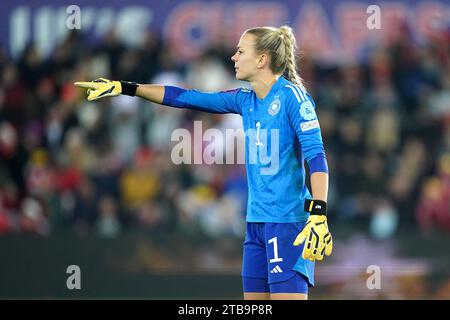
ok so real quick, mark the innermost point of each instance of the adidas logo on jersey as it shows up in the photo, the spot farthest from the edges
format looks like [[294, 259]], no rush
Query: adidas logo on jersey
[[277, 269]]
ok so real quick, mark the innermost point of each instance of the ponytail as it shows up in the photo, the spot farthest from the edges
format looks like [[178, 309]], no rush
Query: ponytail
[[290, 49]]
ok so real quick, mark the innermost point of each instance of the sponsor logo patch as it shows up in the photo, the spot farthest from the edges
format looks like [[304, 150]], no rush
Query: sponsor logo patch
[[307, 111], [309, 125]]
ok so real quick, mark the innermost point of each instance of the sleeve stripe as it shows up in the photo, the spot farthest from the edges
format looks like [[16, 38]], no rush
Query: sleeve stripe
[[301, 93], [295, 92]]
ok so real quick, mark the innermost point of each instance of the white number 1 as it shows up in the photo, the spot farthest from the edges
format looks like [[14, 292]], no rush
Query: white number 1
[[258, 125], [275, 251]]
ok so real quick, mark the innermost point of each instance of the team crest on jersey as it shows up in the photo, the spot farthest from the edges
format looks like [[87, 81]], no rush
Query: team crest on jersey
[[307, 111], [274, 107]]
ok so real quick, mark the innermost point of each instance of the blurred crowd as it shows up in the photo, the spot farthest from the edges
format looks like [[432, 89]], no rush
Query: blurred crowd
[[104, 168]]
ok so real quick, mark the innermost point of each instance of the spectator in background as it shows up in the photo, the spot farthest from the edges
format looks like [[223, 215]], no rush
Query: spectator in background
[[33, 218], [85, 211], [125, 128], [108, 225], [433, 209], [9, 207], [139, 183]]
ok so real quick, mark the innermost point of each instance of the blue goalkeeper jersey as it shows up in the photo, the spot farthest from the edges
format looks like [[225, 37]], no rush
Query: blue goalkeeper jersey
[[281, 130]]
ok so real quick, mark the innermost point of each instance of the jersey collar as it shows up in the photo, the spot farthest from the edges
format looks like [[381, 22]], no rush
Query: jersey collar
[[277, 85]]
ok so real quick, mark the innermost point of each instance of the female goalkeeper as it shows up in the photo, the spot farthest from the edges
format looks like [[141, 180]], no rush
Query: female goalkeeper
[[286, 227]]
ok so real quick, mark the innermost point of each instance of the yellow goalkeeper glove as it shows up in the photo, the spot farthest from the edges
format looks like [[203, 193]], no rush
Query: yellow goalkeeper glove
[[319, 241], [101, 87]]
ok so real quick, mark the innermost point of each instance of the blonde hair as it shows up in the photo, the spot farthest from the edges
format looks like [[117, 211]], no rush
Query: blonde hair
[[281, 46]]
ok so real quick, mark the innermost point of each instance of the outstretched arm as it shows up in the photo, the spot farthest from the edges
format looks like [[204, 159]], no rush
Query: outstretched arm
[[215, 102]]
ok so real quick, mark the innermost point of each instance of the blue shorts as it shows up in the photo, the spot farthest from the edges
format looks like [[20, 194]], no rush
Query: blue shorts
[[271, 263]]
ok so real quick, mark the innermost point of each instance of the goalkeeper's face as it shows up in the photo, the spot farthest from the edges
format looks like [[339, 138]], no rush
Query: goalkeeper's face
[[245, 59]]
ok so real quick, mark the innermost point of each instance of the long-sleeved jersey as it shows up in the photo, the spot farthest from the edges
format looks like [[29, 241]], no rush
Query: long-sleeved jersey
[[281, 130]]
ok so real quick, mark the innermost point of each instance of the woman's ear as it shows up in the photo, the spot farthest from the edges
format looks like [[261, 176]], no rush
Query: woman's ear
[[262, 60]]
